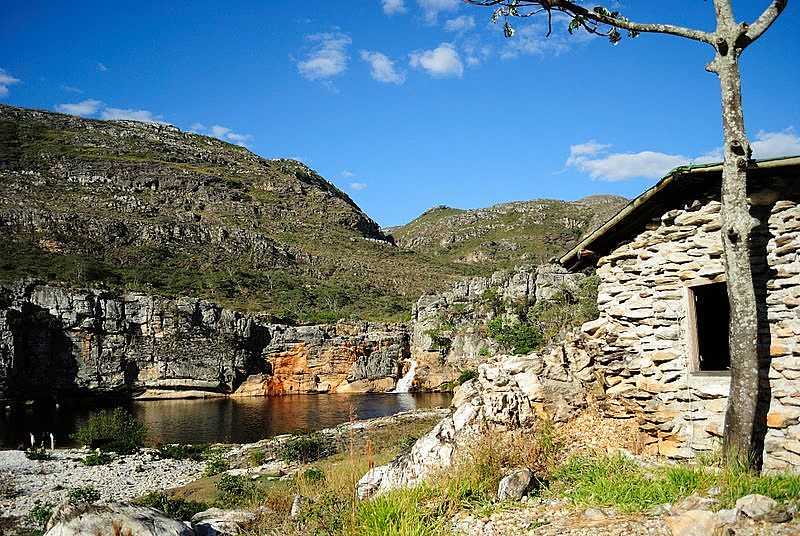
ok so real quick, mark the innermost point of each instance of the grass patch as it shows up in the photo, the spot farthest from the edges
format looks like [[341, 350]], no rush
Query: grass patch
[[182, 451], [174, 507], [96, 458], [85, 494], [116, 431], [305, 448]]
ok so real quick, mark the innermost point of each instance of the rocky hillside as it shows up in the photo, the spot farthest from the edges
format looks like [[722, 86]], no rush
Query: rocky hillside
[[123, 204], [505, 235]]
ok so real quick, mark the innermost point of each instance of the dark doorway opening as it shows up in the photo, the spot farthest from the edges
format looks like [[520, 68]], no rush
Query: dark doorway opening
[[712, 314]]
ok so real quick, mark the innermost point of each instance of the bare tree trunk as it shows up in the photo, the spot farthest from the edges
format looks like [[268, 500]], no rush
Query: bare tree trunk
[[737, 225]]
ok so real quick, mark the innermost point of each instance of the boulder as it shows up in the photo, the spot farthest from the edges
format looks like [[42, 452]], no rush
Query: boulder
[[514, 485], [694, 523], [116, 518], [217, 522], [756, 506]]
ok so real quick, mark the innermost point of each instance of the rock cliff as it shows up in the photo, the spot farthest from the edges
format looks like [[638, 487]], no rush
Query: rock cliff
[[59, 342], [449, 330]]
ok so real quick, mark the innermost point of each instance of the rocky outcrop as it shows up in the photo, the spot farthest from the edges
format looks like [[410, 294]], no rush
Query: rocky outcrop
[[56, 341], [113, 518], [509, 393], [448, 331]]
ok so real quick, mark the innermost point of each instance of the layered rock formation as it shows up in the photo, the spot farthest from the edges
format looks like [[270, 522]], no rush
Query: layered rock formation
[[57, 341], [509, 393], [448, 330]]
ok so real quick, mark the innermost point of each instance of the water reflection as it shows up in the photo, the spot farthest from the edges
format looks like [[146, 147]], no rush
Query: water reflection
[[214, 420]]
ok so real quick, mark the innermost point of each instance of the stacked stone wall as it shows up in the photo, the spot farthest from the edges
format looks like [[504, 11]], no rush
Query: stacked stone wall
[[644, 326]]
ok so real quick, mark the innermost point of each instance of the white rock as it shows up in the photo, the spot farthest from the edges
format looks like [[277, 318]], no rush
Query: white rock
[[129, 520]]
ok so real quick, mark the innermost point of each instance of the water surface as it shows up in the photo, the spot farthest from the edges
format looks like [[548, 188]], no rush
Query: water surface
[[224, 420]]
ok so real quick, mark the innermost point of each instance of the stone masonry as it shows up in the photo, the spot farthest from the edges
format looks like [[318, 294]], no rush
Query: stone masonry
[[644, 324]]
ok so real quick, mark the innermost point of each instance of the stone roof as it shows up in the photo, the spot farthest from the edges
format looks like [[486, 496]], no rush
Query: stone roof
[[680, 184]]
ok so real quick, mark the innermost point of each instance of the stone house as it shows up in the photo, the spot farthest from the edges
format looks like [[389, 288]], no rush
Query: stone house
[[663, 325]]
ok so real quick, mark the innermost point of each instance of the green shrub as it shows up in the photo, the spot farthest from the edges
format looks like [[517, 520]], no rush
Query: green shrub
[[484, 352], [325, 514], [179, 451], [115, 431], [257, 457], [86, 494], [176, 508], [38, 453], [314, 474], [96, 458], [235, 490], [215, 464], [406, 443], [39, 515], [517, 337], [467, 375], [305, 448]]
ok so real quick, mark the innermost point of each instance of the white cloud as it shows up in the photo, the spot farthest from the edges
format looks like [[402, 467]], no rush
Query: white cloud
[[84, 108], [358, 186], [774, 144], [460, 24], [145, 116], [72, 89], [222, 133], [594, 159], [432, 8], [382, 68], [328, 57], [443, 61], [5, 81], [394, 7], [475, 55], [101, 67], [347, 174]]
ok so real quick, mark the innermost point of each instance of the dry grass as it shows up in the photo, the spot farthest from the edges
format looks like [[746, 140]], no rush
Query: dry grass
[[592, 434]]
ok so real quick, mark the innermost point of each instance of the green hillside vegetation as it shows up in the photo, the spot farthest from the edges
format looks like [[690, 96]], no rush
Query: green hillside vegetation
[[126, 205], [505, 235]]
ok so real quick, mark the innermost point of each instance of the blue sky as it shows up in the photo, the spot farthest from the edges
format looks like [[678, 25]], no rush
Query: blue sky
[[413, 103]]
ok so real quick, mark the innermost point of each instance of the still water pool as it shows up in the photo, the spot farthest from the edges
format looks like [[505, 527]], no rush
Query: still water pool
[[222, 420]]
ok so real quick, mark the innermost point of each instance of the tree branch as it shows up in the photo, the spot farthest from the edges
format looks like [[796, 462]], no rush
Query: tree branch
[[571, 8], [764, 21]]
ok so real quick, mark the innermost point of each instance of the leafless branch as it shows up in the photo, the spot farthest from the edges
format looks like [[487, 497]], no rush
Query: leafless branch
[[764, 21], [573, 9]]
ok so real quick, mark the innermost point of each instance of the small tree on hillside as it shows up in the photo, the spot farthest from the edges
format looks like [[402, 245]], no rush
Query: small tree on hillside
[[729, 40]]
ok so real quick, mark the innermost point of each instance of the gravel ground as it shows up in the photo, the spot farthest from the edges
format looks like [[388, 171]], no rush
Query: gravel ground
[[123, 479], [558, 518]]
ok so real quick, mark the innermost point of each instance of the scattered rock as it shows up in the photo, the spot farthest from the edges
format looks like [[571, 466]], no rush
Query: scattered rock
[[297, 504], [217, 522], [694, 523], [513, 486], [755, 506]]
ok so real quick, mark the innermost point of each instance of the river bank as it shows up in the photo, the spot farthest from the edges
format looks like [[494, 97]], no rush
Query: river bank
[[127, 477]]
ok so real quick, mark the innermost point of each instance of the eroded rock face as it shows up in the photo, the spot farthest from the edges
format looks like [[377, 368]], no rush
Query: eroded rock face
[[508, 394], [448, 332], [57, 341]]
